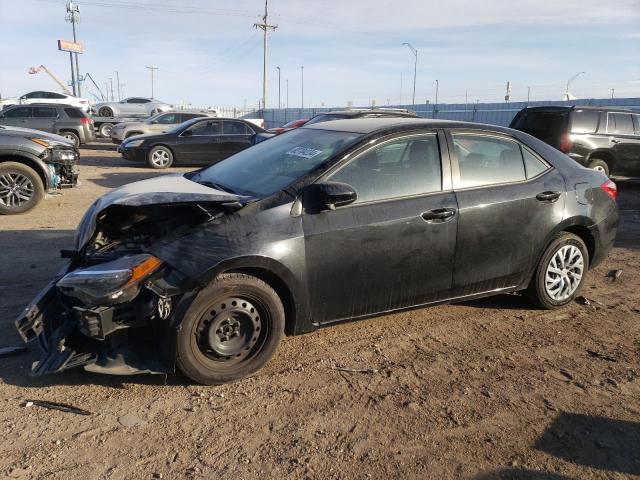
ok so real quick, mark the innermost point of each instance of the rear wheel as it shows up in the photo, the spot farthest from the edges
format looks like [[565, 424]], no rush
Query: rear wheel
[[561, 272], [599, 165], [105, 112], [231, 330], [73, 137], [105, 129], [160, 157], [21, 188]]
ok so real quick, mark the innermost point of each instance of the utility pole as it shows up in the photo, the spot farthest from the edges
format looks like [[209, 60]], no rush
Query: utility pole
[[118, 83], [287, 83], [302, 72], [415, 69], [279, 103], [153, 69], [73, 16], [111, 83], [265, 27], [400, 88], [528, 94], [437, 86]]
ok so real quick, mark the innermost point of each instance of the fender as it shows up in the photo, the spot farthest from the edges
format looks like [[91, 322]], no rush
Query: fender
[[32, 161]]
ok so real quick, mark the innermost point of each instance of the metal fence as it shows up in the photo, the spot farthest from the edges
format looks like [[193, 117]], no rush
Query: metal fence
[[492, 113]]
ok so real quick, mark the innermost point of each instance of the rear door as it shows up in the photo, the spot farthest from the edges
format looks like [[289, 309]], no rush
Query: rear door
[[236, 137], [625, 141], [44, 118], [509, 201], [17, 117], [202, 145], [394, 246]]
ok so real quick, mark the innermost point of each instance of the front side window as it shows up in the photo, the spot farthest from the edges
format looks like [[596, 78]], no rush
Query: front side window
[[399, 168], [54, 95], [34, 95], [168, 118], [620, 123], [45, 112], [135, 100], [485, 160], [18, 112], [206, 128]]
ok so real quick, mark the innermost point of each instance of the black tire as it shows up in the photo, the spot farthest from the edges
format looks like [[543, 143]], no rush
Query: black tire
[[600, 165], [73, 137], [234, 297], [160, 157], [105, 112], [105, 129], [538, 292], [9, 173]]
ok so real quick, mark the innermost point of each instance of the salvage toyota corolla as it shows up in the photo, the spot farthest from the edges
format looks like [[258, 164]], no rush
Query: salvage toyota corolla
[[206, 271]]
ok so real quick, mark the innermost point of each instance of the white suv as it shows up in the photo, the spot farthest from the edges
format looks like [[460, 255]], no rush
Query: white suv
[[41, 96]]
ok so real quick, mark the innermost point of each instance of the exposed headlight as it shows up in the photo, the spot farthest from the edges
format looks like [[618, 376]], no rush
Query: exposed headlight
[[133, 143], [63, 155], [110, 282]]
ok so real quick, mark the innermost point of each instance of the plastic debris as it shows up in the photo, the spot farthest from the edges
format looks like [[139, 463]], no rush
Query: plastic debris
[[63, 407]]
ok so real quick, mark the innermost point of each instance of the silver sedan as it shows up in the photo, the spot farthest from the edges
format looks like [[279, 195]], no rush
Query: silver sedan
[[138, 106]]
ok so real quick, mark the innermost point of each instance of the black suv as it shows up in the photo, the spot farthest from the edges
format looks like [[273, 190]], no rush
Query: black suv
[[31, 163], [604, 139], [65, 120], [361, 113]]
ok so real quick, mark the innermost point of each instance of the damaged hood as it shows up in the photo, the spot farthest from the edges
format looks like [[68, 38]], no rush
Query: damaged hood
[[167, 189]]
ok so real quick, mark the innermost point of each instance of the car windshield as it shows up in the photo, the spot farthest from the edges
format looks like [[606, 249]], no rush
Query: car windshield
[[326, 118], [273, 164]]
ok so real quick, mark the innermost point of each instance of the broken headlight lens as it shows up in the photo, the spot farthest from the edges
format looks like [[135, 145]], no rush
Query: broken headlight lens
[[110, 282]]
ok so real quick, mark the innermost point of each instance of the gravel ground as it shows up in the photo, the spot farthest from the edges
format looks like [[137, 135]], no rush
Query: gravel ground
[[486, 389]]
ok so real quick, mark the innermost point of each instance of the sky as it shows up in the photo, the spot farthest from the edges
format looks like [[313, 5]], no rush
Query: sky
[[209, 54]]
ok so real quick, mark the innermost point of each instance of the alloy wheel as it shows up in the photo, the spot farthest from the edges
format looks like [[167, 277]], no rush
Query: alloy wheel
[[161, 158], [15, 190], [564, 272], [599, 168]]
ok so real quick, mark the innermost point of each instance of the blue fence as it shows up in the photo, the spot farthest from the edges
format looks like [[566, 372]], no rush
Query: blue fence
[[492, 113]]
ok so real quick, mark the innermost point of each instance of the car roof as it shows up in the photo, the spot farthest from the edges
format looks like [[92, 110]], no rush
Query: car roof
[[579, 107], [42, 104], [376, 111], [370, 125]]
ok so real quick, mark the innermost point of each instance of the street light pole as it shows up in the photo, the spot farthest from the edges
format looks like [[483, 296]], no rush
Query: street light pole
[[415, 69], [153, 69], [287, 84], [118, 83], [566, 93], [279, 103], [302, 73]]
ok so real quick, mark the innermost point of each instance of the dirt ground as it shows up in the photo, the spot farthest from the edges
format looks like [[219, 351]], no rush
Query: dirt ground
[[483, 390]]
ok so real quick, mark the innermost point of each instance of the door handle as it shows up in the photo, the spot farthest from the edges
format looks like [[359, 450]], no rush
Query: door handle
[[548, 196], [614, 140], [438, 215]]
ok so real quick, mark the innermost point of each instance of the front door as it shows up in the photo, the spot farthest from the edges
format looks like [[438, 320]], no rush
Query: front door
[[394, 246], [509, 201], [17, 116], [202, 144]]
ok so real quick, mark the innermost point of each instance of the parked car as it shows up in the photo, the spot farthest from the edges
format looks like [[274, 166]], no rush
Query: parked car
[[31, 163], [131, 106], [69, 122], [336, 221], [42, 96], [201, 141], [159, 123], [361, 113], [602, 138], [288, 126]]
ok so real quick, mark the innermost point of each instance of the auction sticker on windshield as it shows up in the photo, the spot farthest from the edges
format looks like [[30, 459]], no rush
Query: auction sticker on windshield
[[304, 152]]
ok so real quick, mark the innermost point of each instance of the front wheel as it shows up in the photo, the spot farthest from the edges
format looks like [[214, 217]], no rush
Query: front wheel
[[160, 157], [21, 188], [230, 331], [561, 272]]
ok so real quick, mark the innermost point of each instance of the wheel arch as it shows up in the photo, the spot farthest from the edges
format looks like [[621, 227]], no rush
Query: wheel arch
[[32, 162], [605, 155]]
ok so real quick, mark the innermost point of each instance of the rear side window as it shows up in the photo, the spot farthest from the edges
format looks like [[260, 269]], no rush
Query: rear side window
[[18, 112], [45, 112], [54, 95], [74, 113], [533, 165], [206, 128], [235, 128], [620, 123], [485, 160], [190, 116], [168, 118], [542, 124], [584, 121]]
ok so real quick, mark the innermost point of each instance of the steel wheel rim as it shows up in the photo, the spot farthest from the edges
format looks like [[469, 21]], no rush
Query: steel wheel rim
[[16, 190], [106, 131], [160, 158], [599, 168], [230, 331], [564, 272], [69, 137]]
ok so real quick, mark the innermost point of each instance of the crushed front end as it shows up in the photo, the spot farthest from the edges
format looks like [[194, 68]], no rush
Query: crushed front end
[[110, 308], [62, 165]]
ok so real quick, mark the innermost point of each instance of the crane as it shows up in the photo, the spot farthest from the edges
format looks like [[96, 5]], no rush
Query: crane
[[34, 70]]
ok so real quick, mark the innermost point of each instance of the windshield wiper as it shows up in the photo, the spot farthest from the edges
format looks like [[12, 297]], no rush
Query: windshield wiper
[[217, 186]]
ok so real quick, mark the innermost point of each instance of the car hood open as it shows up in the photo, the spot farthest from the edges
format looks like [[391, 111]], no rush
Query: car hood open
[[165, 190]]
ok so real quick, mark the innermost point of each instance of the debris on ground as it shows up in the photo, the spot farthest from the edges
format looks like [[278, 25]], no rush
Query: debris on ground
[[63, 407], [601, 356], [10, 351], [565, 373], [341, 368], [614, 274]]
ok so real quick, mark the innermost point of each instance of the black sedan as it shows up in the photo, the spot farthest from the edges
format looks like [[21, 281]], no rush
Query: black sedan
[[198, 141], [342, 220]]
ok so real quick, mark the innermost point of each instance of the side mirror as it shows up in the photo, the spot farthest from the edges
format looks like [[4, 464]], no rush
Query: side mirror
[[328, 196], [187, 133]]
